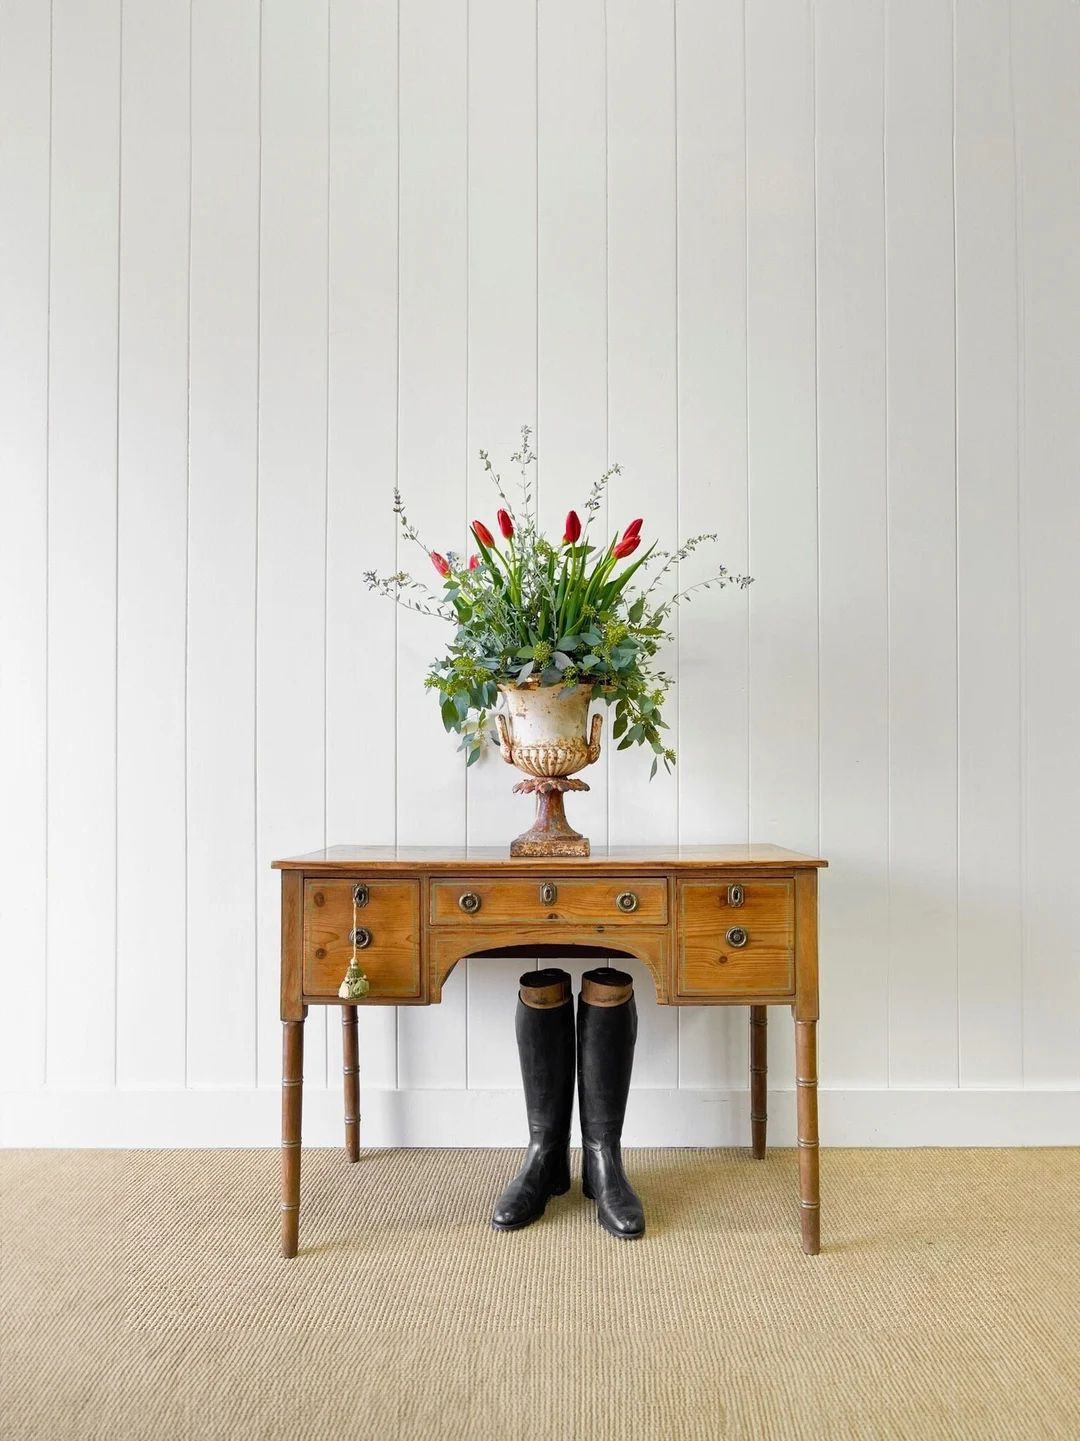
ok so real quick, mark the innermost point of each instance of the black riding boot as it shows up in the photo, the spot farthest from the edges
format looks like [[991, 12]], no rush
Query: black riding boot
[[545, 1035], [607, 1029]]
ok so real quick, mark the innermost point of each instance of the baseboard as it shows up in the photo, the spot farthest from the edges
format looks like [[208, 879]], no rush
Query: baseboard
[[124, 1118]]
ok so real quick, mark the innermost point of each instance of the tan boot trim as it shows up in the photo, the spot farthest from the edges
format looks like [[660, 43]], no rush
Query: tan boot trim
[[594, 994], [545, 998]]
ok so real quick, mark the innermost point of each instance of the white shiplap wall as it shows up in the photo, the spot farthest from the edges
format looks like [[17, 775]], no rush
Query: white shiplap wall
[[810, 271]]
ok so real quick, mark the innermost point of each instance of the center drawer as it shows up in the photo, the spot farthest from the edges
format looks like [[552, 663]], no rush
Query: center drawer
[[514, 900]]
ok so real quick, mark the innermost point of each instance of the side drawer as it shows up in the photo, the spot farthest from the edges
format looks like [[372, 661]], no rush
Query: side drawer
[[736, 937], [630, 900], [390, 916]]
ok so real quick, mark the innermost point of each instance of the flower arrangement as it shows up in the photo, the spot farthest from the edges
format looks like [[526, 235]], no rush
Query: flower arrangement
[[531, 612]]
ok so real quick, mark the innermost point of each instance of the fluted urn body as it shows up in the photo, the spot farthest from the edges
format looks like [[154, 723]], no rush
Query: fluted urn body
[[542, 730]]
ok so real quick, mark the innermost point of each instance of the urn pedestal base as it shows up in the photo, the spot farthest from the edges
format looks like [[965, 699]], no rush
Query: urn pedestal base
[[550, 834]]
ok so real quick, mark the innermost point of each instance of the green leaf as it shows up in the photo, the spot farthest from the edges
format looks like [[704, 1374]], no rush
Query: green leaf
[[637, 610], [449, 714], [527, 652], [561, 661], [526, 671], [474, 755], [619, 727], [652, 768], [568, 642]]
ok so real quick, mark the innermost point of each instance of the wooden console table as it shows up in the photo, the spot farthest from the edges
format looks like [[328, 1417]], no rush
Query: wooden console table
[[716, 925]]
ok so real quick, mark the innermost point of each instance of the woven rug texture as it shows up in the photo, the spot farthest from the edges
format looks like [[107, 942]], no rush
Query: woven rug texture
[[142, 1296]]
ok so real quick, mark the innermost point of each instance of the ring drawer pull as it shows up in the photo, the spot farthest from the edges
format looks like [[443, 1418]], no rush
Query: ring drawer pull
[[469, 902], [736, 937], [735, 895], [626, 901], [360, 895], [360, 937], [549, 893]]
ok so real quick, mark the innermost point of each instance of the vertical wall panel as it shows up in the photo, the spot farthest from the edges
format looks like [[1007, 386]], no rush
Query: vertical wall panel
[[152, 544], [1047, 62], [713, 773], [988, 580], [25, 43], [782, 440], [643, 399], [849, 99], [361, 627], [224, 329], [82, 544], [501, 398], [432, 389], [571, 310], [922, 544], [290, 674]]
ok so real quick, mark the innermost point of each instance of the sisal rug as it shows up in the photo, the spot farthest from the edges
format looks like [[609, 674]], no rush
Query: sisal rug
[[141, 1296]]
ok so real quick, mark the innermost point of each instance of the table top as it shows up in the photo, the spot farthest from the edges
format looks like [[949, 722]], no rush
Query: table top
[[392, 859]]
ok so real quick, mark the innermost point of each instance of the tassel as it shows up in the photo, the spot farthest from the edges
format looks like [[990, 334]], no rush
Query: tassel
[[355, 985]]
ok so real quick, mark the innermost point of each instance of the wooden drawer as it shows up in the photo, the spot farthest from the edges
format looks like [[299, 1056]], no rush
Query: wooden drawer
[[535, 900], [709, 962], [391, 916]]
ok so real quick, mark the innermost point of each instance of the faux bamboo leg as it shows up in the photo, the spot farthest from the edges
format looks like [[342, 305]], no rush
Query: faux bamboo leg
[[350, 1070], [292, 1094], [759, 1068], [806, 1089]]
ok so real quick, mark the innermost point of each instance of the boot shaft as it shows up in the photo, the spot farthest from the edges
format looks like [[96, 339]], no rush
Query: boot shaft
[[544, 1025], [606, 1035]]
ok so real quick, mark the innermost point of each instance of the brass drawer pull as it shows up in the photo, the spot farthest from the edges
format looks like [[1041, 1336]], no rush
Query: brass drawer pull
[[360, 937], [469, 903], [626, 901], [360, 895], [735, 895], [736, 937], [549, 893]]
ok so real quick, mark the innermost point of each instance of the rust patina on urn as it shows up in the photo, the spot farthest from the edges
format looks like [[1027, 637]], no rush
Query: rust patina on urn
[[542, 731]]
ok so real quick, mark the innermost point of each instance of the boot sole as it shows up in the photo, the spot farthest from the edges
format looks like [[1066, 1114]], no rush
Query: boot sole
[[520, 1225]]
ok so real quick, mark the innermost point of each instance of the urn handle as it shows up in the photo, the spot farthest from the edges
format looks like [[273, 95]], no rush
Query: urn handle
[[505, 742], [469, 902], [594, 738]]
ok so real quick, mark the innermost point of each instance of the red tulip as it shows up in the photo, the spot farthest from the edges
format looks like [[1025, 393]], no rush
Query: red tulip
[[483, 535], [626, 546], [474, 561], [632, 529], [506, 525], [440, 563], [573, 528]]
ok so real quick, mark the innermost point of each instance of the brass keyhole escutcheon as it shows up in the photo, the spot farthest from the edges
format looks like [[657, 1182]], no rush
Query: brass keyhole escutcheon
[[360, 937], [549, 893], [469, 902], [626, 901], [736, 937], [360, 895], [735, 895]]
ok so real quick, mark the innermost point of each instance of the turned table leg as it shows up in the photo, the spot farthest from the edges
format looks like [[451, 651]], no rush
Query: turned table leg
[[292, 1095], [806, 1090], [759, 1069], [350, 1071]]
